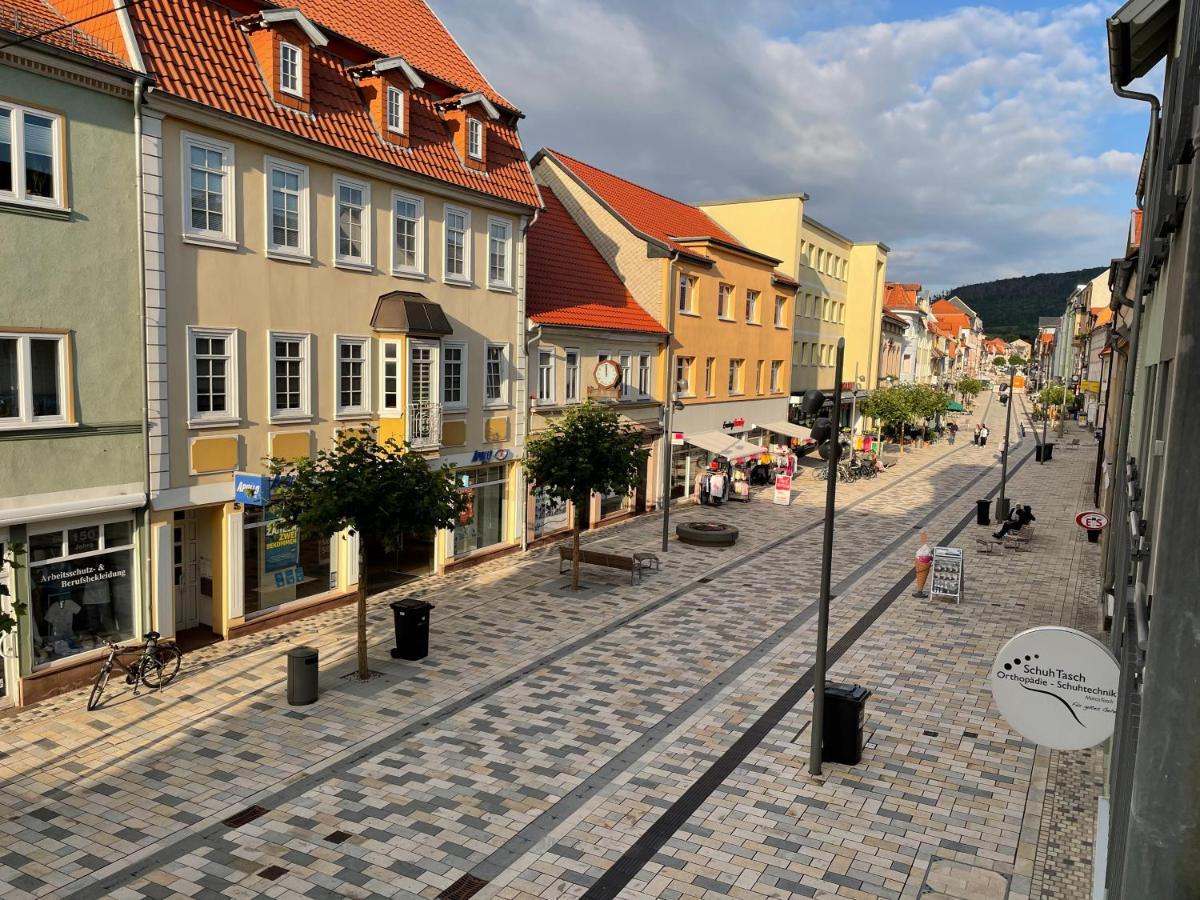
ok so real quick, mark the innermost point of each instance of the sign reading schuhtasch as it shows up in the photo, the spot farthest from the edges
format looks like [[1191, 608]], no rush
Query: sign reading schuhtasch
[[1057, 687]]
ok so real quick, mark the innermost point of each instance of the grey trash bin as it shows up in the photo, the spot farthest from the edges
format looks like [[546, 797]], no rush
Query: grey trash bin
[[302, 670]]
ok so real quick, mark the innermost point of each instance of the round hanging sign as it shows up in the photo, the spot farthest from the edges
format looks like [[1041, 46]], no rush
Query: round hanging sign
[[1092, 521], [1057, 687]]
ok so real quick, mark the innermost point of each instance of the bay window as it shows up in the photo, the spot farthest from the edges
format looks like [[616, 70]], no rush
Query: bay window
[[31, 157], [408, 235], [33, 379]]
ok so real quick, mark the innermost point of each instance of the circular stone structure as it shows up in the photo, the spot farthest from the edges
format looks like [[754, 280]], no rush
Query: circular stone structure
[[708, 534]]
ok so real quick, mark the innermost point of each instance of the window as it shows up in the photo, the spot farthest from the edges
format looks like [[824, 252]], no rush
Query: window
[[499, 253], [683, 375], [825, 354], [474, 138], [290, 71], [725, 301], [454, 376], [781, 312], [208, 190], [545, 375], [289, 376], [457, 264], [495, 375], [352, 377], [287, 209], [487, 487], [571, 388], [389, 377], [752, 306], [842, 313], [825, 310], [758, 377], [687, 294], [408, 235], [626, 375], [735, 376], [214, 374], [710, 384], [776, 374], [352, 213], [395, 110], [644, 375], [31, 161], [33, 379]]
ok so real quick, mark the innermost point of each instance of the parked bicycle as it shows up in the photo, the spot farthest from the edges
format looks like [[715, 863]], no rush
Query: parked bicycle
[[156, 666]]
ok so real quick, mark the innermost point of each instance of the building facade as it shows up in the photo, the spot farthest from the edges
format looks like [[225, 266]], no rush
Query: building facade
[[904, 301]]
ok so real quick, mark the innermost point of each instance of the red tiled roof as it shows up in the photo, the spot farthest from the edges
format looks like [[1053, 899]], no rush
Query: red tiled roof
[[900, 296], [896, 319], [197, 53], [569, 282], [1135, 229], [657, 215], [781, 278], [29, 17]]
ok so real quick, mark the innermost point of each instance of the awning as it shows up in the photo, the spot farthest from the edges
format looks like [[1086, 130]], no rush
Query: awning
[[406, 312], [796, 431], [955, 406], [721, 444]]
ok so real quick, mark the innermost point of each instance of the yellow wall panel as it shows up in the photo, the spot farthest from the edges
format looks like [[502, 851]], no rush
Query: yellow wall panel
[[214, 454], [454, 434], [495, 429], [291, 444]]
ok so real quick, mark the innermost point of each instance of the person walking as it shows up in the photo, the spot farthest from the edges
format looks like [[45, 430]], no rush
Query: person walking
[[983, 436], [975, 439], [952, 433]]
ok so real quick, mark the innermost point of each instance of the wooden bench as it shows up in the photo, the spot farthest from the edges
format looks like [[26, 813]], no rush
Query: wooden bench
[[631, 564]]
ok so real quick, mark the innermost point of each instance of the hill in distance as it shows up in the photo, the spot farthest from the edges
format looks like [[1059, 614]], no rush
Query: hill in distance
[[1011, 307]]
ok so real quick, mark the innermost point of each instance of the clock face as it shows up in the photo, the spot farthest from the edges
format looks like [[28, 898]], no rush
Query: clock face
[[608, 374]]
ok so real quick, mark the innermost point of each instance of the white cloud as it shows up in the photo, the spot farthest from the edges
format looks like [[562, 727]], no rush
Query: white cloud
[[967, 141]]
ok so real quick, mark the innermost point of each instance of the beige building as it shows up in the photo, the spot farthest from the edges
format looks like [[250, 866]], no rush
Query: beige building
[[338, 244]]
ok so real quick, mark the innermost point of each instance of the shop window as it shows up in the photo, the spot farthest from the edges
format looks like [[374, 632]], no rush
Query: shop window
[[487, 488], [549, 513], [32, 380], [82, 579], [613, 504], [280, 566]]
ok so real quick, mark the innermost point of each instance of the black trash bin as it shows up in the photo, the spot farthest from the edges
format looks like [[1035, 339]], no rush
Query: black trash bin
[[412, 628], [845, 712], [983, 512], [1037, 453], [1048, 452], [302, 671]]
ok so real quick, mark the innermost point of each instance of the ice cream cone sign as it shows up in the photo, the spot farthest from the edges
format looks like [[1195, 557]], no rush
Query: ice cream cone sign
[[924, 564]]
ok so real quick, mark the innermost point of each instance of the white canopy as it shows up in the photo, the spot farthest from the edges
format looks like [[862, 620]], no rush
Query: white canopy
[[796, 431], [723, 444]]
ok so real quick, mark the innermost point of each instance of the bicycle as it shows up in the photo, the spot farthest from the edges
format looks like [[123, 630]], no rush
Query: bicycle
[[156, 666]]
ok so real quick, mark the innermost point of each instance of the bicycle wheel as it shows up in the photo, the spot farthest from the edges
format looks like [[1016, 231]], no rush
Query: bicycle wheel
[[165, 666], [98, 686], [819, 473]]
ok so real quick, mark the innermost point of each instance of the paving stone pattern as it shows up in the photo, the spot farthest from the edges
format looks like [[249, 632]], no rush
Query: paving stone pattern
[[547, 730]]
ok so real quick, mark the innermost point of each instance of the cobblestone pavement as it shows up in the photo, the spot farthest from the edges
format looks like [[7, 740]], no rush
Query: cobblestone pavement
[[645, 740]]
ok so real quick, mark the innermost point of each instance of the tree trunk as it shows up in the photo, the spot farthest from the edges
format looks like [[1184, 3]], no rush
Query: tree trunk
[[575, 548], [364, 671]]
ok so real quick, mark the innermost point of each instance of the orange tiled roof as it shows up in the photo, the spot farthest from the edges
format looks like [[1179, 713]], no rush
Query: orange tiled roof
[[900, 296], [198, 53], [1135, 229], [29, 17], [570, 283], [1103, 316], [657, 215], [1047, 338]]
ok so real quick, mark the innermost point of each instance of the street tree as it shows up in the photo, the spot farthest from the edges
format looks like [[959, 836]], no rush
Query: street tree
[[1054, 395], [1016, 360], [378, 490], [891, 406], [929, 402], [1000, 361], [586, 450], [969, 388]]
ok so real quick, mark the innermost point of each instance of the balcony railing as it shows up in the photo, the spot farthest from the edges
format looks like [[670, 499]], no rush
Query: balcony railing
[[425, 425]]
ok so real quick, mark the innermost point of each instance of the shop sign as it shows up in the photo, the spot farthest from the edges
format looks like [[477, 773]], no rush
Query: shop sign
[[282, 545], [482, 457], [53, 578], [1089, 387], [1093, 520], [783, 489], [739, 422], [677, 439], [251, 490], [1057, 687]]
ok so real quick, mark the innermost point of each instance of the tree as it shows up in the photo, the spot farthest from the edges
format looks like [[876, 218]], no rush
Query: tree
[[892, 406], [380, 491], [1000, 361], [1054, 395], [17, 608], [928, 402], [969, 388], [1016, 360], [586, 450]]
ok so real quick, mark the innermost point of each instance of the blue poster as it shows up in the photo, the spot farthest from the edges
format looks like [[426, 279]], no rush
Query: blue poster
[[283, 545]]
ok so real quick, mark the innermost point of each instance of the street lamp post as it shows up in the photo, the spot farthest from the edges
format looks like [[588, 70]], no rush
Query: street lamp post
[[1002, 502]]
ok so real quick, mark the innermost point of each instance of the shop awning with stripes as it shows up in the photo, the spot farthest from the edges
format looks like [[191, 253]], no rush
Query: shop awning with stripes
[[721, 444]]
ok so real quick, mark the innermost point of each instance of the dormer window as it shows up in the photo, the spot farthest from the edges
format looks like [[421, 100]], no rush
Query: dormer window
[[465, 115], [474, 138], [290, 70], [387, 85], [395, 110]]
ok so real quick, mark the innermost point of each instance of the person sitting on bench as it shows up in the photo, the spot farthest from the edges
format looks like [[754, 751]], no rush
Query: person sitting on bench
[[1017, 519]]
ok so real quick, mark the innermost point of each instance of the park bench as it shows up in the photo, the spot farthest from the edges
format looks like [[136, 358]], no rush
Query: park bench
[[635, 565], [1020, 540]]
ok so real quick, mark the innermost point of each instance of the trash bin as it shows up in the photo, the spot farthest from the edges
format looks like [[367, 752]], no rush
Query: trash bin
[[845, 712], [412, 628], [302, 670], [1048, 452], [1037, 452], [983, 512]]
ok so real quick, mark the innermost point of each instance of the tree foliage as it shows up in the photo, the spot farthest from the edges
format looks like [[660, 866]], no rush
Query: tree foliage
[[1000, 361], [1011, 307], [379, 490], [1054, 395], [586, 450], [904, 404], [969, 387], [17, 608], [1016, 360]]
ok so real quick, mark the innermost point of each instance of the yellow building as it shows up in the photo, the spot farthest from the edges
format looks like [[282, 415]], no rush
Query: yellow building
[[729, 310], [840, 289]]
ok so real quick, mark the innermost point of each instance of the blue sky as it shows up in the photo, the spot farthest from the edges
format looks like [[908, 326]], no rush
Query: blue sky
[[978, 141]]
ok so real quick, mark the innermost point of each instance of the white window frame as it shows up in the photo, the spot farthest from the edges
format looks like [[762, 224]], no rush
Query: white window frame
[[363, 410], [474, 138], [16, 121], [725, 311], [305, 410], [463, 378], [550, 373], [625, 361], [689, 284], [227, 237], [506, 283], [572, 380], [392, 104], [780, 311], [363, 261], [232, 414], [683, 382], [753, 312], [26, 418], [503, 401], [465, 277], [303, 252], [645, 375], [297, 89], [737, 377], [384, 408], [417, 270], [435, 369]]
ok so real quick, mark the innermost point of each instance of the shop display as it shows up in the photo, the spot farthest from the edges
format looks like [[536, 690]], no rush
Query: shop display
[[948, 573]]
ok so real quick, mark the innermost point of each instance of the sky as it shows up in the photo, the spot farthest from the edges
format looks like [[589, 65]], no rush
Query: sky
[[978, 142]]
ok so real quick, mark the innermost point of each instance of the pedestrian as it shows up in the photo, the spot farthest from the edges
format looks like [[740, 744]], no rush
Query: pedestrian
[[952, 430], [1017, 519], [975, 439], [983, 436]]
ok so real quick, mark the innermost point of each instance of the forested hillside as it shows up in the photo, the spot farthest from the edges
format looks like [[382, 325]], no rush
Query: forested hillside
[[1010, 307]]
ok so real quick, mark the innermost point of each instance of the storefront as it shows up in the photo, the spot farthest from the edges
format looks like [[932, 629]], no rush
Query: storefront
[[693, 458], [279, 566], [488, 489]]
